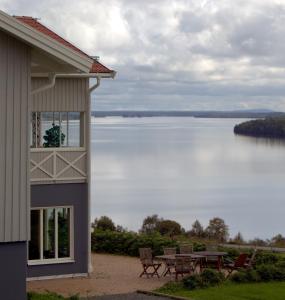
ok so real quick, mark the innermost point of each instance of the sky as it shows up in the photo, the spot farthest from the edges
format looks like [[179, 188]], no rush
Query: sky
[[176, 54]]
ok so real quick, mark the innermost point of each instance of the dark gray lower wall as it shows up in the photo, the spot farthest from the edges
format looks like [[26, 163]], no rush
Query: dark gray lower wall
[[13, 270], [76, 195]]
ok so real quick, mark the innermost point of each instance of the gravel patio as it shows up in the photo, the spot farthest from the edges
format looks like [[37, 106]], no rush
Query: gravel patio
[[112, 275]]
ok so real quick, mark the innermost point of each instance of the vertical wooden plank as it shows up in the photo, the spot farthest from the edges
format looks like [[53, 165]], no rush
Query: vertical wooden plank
[[3, 80], [9, 141], [16, 161]]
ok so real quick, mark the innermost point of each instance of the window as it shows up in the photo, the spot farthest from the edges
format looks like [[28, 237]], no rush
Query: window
[[51, 235], [57, 129]]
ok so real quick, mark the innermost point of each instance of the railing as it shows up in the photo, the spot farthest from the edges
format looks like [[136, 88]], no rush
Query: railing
[[58, 164]]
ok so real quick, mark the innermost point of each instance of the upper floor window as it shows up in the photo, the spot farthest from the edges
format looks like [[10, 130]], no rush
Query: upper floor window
[[57, 129]]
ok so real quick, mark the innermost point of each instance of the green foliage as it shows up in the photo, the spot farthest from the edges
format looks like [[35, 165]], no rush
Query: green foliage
[[49, 296], [266, 258], [212, 277], [270, 272], [207, 278], [217, 229], [128, 243], [51, 137], [150, 224], [244, 276], [229, 291], [199, 246], [169, 227], [104, 223], [197, 230], [269, 127]]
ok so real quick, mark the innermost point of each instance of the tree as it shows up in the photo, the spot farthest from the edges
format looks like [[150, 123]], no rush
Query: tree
[[169, 227], [197, 229], [104, 223], [218, 230], [238, 239], [278, 240], [150, 224], [51, 137]]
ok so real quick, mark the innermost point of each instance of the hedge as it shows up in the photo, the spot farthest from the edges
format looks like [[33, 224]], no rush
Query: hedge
[[128, 243]]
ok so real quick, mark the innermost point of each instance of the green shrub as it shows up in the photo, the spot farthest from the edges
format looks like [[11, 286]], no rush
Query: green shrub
[[266, 258], [128, 243], [193, 282], [199, 246], [270, 272], [207, 278], [245, 276], [212, 277]]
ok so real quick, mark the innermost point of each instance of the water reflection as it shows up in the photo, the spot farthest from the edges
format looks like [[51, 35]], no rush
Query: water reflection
[[186, 168]]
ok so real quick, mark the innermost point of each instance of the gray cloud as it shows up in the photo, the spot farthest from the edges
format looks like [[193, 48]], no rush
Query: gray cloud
[[176, 54]]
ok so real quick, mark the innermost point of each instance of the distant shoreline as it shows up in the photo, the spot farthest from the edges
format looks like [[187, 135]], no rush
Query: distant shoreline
[[250, 114]]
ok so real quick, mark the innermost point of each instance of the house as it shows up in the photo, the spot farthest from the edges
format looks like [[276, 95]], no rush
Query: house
[[44, 154]]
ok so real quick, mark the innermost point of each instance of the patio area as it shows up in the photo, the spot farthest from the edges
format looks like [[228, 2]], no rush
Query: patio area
[[112, 275]]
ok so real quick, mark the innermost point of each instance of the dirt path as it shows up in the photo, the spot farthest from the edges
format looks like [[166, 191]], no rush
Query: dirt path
[[112, 275]]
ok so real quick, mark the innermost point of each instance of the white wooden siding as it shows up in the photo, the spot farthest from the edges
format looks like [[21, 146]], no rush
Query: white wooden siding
[[14, 153], [68, 94]]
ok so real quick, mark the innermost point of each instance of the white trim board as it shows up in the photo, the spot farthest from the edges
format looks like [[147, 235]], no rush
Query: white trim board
[[45, 43], [57, 277]]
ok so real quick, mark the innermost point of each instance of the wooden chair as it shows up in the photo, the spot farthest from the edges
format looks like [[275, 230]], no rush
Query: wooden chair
[[148, 263], [183, 265], [186, 249], [239, 263], [169, 263], [251, 261], [212, 261]]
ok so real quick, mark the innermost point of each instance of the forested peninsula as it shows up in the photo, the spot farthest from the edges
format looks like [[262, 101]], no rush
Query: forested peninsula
[[267, 128]]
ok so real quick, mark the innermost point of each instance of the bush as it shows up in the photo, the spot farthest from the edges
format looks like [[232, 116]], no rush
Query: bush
[[199, 246], [244, 276], [270, 272], [128, 243], [266, 258], [212, 277], [207, 278], [193, 282]]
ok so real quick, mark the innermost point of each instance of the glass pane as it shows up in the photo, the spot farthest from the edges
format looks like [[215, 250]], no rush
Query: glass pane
[[49, 233], [34, 243], [50, 129], [74, 129], [63, 232], [64, 137]]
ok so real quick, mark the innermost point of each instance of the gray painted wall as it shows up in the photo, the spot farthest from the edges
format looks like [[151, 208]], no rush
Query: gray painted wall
[[68, 94], [14, 152], [65, 194], [13, 270]]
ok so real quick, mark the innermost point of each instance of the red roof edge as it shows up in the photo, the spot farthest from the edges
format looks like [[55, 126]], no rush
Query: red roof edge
[[96, 67]]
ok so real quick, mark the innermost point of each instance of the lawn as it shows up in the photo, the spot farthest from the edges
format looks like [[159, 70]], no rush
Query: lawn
[[231, 291], [48, 296]]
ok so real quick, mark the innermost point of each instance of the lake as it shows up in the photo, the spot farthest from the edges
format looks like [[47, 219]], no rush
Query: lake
[[186, 169]]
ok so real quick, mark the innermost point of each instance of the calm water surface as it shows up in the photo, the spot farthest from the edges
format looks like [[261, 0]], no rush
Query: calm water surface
[[186, 169]]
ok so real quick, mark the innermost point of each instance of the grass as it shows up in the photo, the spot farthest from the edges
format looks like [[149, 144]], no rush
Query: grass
[[49, 296], [230, 291]]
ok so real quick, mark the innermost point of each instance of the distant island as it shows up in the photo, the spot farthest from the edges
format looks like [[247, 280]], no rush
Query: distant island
[[267, 128], [246, 114]]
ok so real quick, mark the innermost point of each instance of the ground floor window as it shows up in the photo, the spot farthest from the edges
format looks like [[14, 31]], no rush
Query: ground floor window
[[51, 234]]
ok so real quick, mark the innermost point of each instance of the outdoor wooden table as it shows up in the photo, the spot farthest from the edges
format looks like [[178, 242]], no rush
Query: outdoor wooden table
[[217, 254], [195, 257]]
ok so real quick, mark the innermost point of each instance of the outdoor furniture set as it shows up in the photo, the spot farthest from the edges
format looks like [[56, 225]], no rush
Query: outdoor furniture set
[[188, 262]]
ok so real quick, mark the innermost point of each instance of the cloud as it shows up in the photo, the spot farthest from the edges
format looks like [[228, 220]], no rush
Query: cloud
[[176, 54]]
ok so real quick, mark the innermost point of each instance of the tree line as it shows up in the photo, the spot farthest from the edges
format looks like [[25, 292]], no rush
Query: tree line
[[216, 230], [268, 128]]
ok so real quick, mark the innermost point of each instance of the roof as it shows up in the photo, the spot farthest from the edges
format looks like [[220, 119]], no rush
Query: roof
[[43, 44], [96, 67]]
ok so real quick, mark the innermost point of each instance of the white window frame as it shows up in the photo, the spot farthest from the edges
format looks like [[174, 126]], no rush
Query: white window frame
[[56, 260]]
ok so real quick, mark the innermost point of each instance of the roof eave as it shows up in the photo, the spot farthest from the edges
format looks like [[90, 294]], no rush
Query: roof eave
[[41, 41]]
